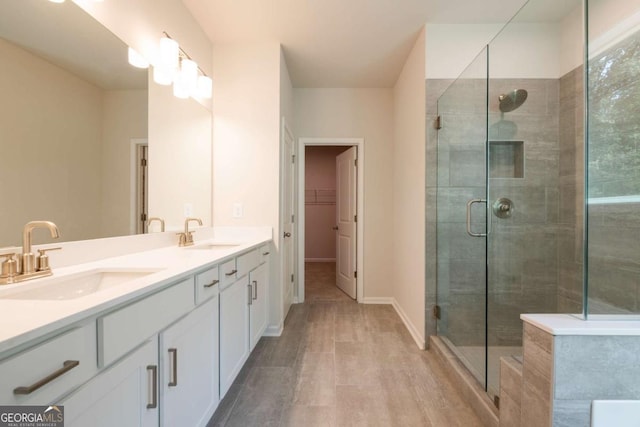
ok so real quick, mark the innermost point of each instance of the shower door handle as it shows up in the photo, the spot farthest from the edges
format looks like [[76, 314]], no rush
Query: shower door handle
[[469, 205]]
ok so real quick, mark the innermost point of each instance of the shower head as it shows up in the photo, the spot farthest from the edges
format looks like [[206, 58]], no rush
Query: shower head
[[512, 100]]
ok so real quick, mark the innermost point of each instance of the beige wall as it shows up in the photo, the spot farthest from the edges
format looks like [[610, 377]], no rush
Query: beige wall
[[124, 118], [368, 114], [50, 151], [409, 190], [246, 143]]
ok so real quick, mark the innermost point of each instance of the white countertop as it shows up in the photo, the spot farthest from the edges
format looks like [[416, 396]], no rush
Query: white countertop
[[22, 321], [569, 324]]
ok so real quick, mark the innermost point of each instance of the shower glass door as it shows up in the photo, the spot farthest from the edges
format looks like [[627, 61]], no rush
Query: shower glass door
[[461, 217], [534, 142]]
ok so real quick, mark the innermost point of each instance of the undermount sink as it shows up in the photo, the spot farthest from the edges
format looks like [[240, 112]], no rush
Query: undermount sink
[[76, 285], [214, 246]]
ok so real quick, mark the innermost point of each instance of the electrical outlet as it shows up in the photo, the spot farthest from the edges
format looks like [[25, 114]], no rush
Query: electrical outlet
[[237, 210], [188, 210]]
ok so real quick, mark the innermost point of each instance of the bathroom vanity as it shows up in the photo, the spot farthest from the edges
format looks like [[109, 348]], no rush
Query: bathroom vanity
[[154, 337]]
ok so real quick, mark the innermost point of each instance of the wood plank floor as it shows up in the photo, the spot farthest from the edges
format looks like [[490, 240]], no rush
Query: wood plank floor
[[339, 363]]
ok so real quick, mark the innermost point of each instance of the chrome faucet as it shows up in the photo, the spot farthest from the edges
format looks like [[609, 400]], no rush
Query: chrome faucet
[[186, 238], [29, 266], [160, 220]]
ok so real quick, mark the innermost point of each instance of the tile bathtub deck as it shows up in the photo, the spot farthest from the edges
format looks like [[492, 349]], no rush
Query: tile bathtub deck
[[339, 363]]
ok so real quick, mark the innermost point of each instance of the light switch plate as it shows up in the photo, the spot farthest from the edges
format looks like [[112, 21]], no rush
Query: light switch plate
[[237, 210], [188, 210]]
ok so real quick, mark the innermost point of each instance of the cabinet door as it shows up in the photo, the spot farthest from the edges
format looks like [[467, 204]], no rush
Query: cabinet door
[[189, 374], [124, 395], [234, 331], [258, 309]]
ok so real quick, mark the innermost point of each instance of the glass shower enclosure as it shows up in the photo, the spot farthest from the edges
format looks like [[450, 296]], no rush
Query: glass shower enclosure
[[510, 204]]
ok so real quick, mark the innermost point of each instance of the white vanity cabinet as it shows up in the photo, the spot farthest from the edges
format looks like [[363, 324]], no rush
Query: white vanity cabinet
[[244, 313], [124, 395], [234, 331], [258, 310], [162, 359], [49, 370], [189, 368]]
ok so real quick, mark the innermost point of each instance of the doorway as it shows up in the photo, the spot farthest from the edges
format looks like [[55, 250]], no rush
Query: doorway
[[330, 227]]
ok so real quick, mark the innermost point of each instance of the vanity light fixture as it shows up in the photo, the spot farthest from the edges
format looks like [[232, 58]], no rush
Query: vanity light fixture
[[176, 66], [167, 64], [56, 1], [186, 79], [137, 60]]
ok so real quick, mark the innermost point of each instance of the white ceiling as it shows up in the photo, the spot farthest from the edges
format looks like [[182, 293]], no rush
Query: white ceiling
[[341, 43]]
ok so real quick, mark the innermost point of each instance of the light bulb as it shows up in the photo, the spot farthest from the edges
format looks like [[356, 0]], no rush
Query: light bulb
[[189, 75], [169, 53], [204, 87], [179, 88], [56, 1], [163, 75], [137, 60]]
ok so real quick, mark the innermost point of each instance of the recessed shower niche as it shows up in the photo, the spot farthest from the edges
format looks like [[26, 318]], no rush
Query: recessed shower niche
[[506, 159]]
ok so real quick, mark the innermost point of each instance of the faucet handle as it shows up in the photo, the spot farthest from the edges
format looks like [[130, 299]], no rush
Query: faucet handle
[[9, 266], [42, 262], [43, 251]]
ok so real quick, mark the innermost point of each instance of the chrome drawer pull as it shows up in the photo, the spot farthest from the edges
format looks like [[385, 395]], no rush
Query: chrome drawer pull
[[265, 253], [67, 365], [231, 273], [250, 294], [255, 289], [215, 282], [154, 386], [173, 381]]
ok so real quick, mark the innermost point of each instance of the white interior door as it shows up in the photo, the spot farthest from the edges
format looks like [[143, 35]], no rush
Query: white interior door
[[288, 212], [346, 176]]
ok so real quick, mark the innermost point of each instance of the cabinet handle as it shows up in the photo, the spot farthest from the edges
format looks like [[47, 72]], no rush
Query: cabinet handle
[[154, 386], [215, 282], [231, 273], [255, 289], [67, 365], [250, 294], [265, 253], [173, 380]]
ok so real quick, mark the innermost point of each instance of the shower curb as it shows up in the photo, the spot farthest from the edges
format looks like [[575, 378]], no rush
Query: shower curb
[[468, 387]]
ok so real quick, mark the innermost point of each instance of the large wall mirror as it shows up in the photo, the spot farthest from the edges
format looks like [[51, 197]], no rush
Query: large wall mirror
[[74, 124], [70, 107]]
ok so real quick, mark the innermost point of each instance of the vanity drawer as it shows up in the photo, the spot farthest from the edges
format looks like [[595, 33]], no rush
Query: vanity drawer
[[247, 262], [228, 273], [123, 330], [68, 360], [207, 284], [264, 251]]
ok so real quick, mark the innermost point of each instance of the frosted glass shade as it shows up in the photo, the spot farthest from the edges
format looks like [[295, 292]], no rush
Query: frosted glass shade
[[137, 60], [204, 87]]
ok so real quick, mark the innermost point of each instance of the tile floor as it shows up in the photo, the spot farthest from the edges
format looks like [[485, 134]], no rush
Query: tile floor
[[339, 363]]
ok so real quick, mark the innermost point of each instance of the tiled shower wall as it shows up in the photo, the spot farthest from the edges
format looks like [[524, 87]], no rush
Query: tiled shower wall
[[534, 256]]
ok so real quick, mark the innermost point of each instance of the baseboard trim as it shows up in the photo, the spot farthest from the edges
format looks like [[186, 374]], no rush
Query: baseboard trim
[[417, 336], [377, 300], [319, 260], [273, 331]]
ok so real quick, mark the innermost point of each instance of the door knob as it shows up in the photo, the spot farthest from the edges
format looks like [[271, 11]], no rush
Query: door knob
[[287, 234], [335, 228]]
